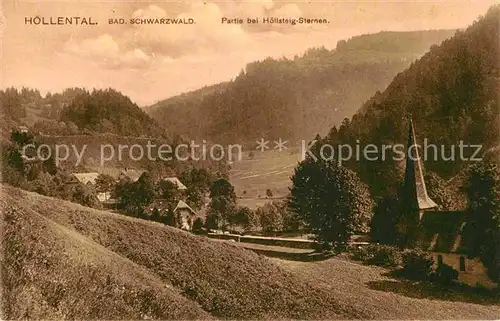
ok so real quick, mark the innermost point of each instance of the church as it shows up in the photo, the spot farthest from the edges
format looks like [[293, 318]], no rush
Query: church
[[424, 226]]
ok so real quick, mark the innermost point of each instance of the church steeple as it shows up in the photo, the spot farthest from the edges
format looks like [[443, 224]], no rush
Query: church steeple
[[415, 198]]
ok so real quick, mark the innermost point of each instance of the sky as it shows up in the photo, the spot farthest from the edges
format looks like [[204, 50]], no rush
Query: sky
[[151, 62]]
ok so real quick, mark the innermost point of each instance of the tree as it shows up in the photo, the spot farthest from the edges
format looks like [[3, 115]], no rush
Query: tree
[[155, 216], [331, 201], [222, 204], [133, 196], [13, 167], [170, 218], [211, 222], [291, 222], [219, 211], [222, 187], [21, 138], [44, 185], [239, 216], [386, 215], [251, 221], [168, 191], [15, 160], [124, 190], [482, 229], [85, 195], [271, 218], [197, 225], [145, 191], [50, 166], [64, 186], [104, 183], [198, 182], [438, 191], [196, 197], [11, 104]]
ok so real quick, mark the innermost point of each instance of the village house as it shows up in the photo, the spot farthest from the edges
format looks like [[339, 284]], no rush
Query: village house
[[176, 182], [90, 179], [438, 232], [182, 211], [130, 174], [187, 215]]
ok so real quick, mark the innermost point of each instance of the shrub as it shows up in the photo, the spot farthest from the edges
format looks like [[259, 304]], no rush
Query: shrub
[[445, 275], [361, 253], [417, 265], [198, 225], [385, 255], [386, 215], [375, 254]]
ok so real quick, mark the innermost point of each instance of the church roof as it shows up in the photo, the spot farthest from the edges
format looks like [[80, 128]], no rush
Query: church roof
[[414, 184], [438, 231]]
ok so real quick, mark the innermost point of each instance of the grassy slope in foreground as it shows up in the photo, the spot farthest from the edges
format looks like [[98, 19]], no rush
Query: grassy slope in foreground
[[65, 260], [369, 289], [51, 272]]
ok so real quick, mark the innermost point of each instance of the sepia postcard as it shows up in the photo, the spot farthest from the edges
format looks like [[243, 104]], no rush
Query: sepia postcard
[[249, 160]]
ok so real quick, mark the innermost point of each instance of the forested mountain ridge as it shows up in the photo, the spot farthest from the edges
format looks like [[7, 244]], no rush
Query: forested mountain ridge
[[109, 111], [75, 111], [295, 98], [452, 96]]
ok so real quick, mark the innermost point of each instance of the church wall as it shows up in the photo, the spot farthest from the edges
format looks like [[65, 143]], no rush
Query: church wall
[[474, 273]]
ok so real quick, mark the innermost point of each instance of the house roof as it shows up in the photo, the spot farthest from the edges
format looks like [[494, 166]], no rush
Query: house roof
[[132, 174], [159, 203], [177, 182], [183, 205], [414, 185], [162, 205], [86, 178]]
